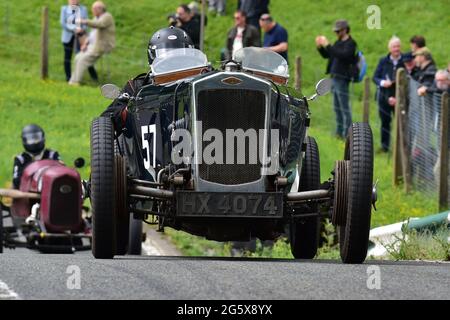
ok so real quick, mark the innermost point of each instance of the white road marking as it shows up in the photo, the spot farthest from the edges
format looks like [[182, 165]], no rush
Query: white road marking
[[6, 293]]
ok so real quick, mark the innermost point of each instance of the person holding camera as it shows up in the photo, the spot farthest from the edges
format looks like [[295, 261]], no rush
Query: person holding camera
[[185, 20], [341, 58]]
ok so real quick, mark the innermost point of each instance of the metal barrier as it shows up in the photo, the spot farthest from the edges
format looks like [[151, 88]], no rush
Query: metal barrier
[[422, 140]]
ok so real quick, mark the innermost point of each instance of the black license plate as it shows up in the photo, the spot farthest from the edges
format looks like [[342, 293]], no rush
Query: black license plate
[[222, 204]]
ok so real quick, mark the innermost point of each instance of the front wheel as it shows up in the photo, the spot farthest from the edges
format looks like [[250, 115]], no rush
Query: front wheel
[[103, 198], [354, 231]]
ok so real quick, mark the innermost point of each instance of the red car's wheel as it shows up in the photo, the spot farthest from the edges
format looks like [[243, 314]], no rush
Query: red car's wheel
[[354, 234], [103, 198]]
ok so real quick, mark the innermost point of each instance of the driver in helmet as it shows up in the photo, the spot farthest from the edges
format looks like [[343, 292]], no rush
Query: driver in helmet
[[33, 140], [163, 40]]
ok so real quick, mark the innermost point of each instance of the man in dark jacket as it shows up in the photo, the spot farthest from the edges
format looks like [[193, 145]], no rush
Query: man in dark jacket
[[384, 78], [254, 9], [341, 60], [242, 35], [186, 20], [426, 69]]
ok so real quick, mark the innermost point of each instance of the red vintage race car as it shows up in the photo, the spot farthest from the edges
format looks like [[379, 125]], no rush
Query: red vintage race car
[[47, 211]]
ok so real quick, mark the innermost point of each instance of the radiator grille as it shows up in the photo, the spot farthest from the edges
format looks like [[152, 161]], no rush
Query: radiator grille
[[231, 109], [65, 202]]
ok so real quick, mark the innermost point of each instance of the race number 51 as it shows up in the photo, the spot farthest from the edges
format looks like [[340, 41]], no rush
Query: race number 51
[[149, 134]]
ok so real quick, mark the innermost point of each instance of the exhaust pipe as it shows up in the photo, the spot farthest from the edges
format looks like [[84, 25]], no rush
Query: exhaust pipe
[[16, 194], [291, 196], [308, 195], [151, 192]]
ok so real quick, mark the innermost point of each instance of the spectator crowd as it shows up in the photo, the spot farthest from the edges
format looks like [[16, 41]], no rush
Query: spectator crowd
[[254, 26], [420, 66]]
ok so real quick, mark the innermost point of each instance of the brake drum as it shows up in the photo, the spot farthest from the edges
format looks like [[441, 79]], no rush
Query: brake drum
[[121, 187], [341, 191]]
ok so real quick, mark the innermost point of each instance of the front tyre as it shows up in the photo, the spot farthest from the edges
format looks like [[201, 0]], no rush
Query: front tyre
[[102, 188], [354, 234]]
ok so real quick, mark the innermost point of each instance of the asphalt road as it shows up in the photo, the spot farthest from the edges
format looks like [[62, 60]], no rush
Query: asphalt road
[[28, 275]]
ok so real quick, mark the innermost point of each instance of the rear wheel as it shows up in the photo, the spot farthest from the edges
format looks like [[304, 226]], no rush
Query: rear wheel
[[354, 233], [103, 198], [304, 233]]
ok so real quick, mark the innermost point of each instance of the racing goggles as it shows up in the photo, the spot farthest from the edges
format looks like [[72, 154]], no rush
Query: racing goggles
[[33, 138]]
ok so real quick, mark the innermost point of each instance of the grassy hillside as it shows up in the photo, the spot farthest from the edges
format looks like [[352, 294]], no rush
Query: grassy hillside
[[66, 112]]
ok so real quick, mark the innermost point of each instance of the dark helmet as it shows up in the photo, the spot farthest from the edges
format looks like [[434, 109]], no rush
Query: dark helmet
[[33, 139], [168, 38]]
